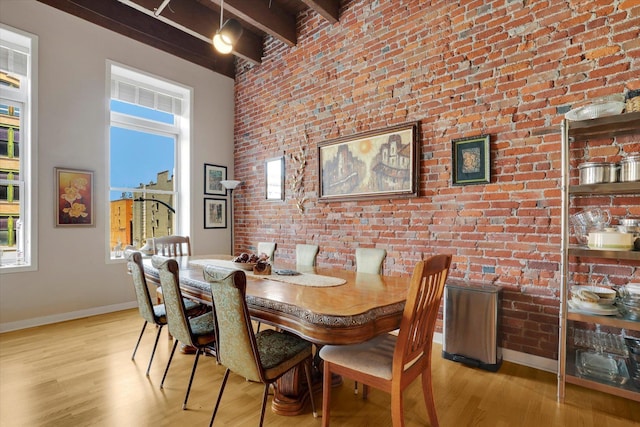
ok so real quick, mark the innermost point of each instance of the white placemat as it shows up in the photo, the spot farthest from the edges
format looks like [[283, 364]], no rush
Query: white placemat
[[302, 279]]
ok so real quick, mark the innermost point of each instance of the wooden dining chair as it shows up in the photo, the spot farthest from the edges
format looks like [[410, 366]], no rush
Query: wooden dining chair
[[151, 313], [306, 255], [268, 248], [263, 357], [196, 332], [171, 246], [391, 363], [370, 260]]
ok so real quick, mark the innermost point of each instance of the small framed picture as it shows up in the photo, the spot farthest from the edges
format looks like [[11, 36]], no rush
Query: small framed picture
[[213, 175], [471, 158], [215, 213], [74, 198]]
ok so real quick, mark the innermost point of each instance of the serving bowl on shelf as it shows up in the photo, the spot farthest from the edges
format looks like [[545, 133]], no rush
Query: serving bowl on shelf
[[611, 240]]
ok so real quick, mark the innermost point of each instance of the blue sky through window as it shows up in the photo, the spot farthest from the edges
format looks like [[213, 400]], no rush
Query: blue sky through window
[[137, 157]]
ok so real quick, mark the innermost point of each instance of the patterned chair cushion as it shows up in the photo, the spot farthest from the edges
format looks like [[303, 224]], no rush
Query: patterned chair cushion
[[202, 329], [160, 313], [280, 351]]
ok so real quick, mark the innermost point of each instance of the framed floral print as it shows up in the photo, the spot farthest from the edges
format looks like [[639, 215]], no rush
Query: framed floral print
[[471, 159], [74, 198]]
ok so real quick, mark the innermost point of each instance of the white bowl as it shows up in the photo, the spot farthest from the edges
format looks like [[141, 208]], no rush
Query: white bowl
[[611, 240], [595, 110]]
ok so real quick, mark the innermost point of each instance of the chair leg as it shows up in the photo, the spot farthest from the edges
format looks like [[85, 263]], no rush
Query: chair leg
[[139, 338], [153, 352], [193, 372], [265, 394], [215, 409], [307, 371], [355, 387], [326, 394], [397, 411], [173, 350], [427, 392]]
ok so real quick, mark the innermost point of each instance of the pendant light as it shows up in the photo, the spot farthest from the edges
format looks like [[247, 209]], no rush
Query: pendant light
[[228, 33]]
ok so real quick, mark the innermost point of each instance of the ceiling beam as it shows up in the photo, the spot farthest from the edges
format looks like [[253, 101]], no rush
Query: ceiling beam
[[273, 20], [115, 16], [200, 21], [328, 9]]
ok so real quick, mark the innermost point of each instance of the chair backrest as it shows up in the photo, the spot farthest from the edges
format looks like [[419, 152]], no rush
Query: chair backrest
[[134, 264], [306, 255], [171, 246], [237, 348], [177, 319], [268, 248], [413, 347], [369, 260]]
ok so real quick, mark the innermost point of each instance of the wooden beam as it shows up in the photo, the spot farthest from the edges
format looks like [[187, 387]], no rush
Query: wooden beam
[[273, 20], [115, 16], [329, 9], [202, 22]]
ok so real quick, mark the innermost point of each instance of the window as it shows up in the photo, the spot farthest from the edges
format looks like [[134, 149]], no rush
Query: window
[[148, 159], [17, 149]]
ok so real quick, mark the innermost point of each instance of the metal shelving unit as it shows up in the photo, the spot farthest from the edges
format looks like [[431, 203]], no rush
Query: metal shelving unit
[[607, 127]]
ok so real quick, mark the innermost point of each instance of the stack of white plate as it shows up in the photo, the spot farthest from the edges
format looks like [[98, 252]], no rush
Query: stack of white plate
[[593, 300]]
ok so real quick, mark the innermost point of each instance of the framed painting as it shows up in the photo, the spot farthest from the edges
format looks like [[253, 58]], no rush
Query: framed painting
[[377, 164], [471, 158], [74, 198], [213, 175], [274, 178], [215, 213]]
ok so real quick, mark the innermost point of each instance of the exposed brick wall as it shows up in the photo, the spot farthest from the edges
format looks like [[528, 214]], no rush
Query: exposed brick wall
[[504, 68]]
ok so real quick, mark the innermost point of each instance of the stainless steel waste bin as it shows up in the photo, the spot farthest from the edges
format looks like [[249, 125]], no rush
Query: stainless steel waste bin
[[470, 326]]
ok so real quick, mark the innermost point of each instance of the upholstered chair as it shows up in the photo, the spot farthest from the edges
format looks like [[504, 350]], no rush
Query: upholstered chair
[[263, 357], [306, 255], [389, 362], [370, 260], [268, 248], [196, 332], [154, 314]]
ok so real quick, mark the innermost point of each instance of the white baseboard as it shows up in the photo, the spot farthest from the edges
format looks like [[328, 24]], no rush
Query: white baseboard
[[55, 318], [520, 358]]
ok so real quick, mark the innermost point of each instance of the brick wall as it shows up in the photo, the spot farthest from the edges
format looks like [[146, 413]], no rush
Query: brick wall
[[504, 68]]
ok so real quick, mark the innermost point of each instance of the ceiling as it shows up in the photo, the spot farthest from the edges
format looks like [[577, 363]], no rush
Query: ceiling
[[185, 27]]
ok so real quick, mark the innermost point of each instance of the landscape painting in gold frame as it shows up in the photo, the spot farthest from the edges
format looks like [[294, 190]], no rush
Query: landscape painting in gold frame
[[74, 198], [372, 165]]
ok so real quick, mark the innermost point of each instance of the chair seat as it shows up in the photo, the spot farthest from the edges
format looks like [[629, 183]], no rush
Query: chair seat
[[373, 357], [160, 313], [280, 351], [202, 328]]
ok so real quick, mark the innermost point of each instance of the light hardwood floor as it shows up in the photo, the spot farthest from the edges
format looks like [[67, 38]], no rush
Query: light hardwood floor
[[80, 373]]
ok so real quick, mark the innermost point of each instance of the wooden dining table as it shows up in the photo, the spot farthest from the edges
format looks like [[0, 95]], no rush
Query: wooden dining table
[[332, 306]]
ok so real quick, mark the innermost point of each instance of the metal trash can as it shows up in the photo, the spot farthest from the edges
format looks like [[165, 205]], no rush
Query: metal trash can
[[470, 326]]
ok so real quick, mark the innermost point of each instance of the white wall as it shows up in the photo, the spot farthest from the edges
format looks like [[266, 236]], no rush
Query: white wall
[[73, 279]]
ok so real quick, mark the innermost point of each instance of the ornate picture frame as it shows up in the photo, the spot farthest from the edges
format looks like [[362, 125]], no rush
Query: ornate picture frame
[[74, 204], [371, 165], [213, 175], [471, 160], [215, 213]]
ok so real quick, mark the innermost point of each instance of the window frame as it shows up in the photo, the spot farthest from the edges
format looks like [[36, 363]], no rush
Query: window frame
[[26, 97], [180, 130]]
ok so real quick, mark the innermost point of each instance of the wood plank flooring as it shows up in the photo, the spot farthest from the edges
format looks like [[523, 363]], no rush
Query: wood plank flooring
[[80, 373]]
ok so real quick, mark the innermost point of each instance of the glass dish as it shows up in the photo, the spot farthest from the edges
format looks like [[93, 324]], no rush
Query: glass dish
[[601, 367], [593, 111]]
